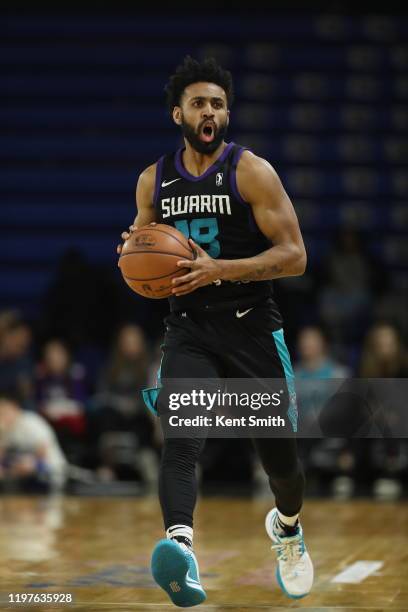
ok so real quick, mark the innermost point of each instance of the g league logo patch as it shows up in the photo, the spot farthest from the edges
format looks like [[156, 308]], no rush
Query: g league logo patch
[[218, 179]]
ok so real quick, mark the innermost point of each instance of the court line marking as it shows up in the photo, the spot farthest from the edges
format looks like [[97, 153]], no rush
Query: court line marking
[[91, 606], [357, 572]]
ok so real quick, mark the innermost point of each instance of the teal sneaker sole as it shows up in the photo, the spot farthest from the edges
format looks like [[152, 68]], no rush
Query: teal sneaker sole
[[172, 569]]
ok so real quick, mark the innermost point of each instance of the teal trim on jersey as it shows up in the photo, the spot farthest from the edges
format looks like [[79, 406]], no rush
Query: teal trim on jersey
[[203, 232], [151, 394], [182, 226], [289, 375]]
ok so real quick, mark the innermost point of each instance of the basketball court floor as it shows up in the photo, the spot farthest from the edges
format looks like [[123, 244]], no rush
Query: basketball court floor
[[98, 549]]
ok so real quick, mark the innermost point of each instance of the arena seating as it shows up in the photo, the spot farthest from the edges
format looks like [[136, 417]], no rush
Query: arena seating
[[324, 98]]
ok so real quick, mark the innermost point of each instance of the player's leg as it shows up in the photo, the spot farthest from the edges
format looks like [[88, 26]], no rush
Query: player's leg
[[178, 483], [174, 565], [184, 359], [281, 463], [259, 351]]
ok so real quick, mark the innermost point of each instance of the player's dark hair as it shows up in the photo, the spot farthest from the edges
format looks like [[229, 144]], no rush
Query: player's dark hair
[[193, 71]]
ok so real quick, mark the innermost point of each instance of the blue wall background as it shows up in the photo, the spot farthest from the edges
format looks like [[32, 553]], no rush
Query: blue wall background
[[322, 97]]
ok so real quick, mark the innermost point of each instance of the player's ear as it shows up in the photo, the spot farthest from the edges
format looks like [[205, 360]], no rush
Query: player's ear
[[228, 117], [177, 115]]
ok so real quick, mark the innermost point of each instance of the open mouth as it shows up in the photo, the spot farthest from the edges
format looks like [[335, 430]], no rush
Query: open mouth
[[207, 132]]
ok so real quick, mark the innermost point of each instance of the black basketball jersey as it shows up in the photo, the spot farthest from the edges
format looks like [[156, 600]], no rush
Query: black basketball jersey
[[210, 210]]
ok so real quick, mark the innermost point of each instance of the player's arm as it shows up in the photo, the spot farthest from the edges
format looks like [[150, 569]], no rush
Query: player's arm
[[260, 186], [144, 202]]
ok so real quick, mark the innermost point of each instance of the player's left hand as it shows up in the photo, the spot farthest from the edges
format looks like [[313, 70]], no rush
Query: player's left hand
[[204, 270]]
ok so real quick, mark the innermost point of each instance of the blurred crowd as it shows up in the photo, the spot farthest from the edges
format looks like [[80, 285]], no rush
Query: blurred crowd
[[54, 417], [72, 411]]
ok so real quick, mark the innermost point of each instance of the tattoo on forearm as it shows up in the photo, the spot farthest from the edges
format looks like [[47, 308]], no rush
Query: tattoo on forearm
[[263, 273]]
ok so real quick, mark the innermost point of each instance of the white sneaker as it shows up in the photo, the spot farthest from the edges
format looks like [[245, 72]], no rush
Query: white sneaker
[[295, 568]]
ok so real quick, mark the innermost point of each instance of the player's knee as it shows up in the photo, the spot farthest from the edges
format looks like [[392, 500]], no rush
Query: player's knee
[[286, 473], [181, 453]]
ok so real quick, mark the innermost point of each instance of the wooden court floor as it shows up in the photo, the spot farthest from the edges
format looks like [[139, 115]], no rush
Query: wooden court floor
[[99, 549]]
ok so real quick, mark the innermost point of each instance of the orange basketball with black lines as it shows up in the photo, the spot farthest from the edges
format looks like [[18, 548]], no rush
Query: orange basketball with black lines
[[149, 257]]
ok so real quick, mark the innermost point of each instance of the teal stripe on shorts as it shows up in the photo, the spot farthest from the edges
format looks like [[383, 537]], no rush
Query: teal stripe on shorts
[[289, 375]]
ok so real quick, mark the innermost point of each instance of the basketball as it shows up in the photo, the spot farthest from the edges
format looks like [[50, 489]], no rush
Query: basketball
[[149, 257]]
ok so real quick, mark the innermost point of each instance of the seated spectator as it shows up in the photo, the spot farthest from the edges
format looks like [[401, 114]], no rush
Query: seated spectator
[[80, 321], [119, 407], [370, 411], [346, 297], [316, 372], [125, 373], [16, 364], [314, 358], [61, 396], [30, 457], [317, 375], [385, 356], [7, 318]]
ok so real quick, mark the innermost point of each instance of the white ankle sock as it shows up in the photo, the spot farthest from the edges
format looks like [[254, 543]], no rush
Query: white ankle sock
[[180, 530], [288, 520]]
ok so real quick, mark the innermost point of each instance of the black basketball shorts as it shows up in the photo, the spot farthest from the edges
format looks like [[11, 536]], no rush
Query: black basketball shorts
[[245, 342]]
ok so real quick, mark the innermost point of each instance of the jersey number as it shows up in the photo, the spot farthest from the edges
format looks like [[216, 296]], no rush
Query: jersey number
[[202, 231]]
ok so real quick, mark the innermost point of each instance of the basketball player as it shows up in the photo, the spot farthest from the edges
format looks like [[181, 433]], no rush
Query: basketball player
[[223, 320]]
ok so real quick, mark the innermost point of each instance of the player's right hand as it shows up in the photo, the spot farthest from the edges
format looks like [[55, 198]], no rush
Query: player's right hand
[[125, 236]]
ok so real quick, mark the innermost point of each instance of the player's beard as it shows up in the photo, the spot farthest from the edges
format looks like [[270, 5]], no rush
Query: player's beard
[[193, 137]]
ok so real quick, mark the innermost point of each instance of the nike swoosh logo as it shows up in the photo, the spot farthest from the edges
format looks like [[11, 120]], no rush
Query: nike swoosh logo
[[243, 313], [166, 183]]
